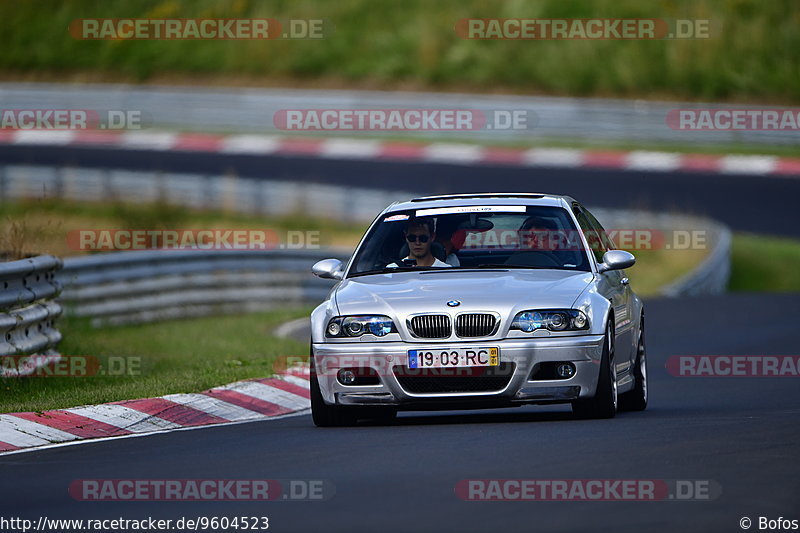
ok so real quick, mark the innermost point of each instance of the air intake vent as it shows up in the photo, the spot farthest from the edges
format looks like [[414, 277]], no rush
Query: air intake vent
[[475, 325], [430, 326], [454, 380]]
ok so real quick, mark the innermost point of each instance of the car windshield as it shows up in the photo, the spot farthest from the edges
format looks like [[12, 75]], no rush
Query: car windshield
[[470, 237]]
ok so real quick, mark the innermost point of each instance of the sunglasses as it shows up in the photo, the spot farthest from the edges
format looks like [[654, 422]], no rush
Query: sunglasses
[[415, 238]]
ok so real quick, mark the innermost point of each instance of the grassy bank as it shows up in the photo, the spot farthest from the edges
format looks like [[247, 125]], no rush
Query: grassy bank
[[155, 359], [761, 263], [42, 226], [751, 56]]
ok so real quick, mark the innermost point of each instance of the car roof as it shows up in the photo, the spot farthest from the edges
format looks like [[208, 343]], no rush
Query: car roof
[[491, 198]]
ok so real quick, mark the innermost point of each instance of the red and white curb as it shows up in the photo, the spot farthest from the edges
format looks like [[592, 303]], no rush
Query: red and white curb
[[249, 400], [367, 149]]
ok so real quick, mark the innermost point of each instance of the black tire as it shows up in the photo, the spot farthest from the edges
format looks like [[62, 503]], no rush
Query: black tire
[[605, 401], [325, 415], [636, 398]]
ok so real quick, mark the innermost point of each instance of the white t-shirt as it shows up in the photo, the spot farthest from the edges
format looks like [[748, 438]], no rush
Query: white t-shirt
[[436, 263]]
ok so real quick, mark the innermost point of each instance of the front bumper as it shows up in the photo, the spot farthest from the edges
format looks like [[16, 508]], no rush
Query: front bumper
[[584, 351]]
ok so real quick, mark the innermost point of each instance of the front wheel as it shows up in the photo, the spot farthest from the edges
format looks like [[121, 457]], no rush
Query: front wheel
[[325, 415], [604, 402], [636, 399]]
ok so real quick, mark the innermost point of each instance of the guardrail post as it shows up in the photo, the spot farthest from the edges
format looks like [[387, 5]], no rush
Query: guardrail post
[[28, 312]]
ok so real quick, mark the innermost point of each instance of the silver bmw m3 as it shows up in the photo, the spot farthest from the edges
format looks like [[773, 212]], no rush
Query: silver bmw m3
[[478, 300]]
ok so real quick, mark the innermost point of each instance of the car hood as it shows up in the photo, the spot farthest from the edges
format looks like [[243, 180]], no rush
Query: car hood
[[507, 291]]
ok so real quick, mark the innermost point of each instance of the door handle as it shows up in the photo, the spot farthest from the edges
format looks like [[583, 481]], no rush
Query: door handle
[[624, 281]]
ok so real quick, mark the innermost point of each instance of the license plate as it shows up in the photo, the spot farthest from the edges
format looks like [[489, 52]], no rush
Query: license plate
[[453, 357]]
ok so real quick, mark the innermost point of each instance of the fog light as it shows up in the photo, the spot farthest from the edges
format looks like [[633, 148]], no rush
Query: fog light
[[346, 376], [565, 370]]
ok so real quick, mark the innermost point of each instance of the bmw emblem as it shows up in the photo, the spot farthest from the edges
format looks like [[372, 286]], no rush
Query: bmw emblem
[[453, 303]]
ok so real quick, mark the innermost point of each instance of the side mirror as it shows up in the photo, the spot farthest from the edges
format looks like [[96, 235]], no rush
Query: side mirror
[[328, 269], [616, 260]]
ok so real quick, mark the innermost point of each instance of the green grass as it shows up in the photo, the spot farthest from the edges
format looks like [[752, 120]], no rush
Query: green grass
[[188, 355], [761, 263], [656, 268], [753, 55], [42, 226]]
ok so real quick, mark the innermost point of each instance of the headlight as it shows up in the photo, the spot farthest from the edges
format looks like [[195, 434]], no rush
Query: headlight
[[355, 326], [551, 319]]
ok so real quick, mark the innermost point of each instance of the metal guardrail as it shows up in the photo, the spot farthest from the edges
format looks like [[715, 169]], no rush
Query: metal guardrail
[[151, 285], [712, 275], [252, 111], [28, 310]]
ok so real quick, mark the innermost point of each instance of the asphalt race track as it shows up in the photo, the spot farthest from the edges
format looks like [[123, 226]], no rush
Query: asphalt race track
[[743, 433], [758, 204]]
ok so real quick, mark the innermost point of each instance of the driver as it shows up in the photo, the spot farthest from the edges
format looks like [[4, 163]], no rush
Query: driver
[[419, 235]]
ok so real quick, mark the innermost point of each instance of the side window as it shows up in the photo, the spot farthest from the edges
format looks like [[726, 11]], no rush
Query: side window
[[606, 240], [593, 236]]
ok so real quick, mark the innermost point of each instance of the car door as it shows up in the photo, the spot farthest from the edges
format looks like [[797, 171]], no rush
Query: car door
[[612, 285]]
